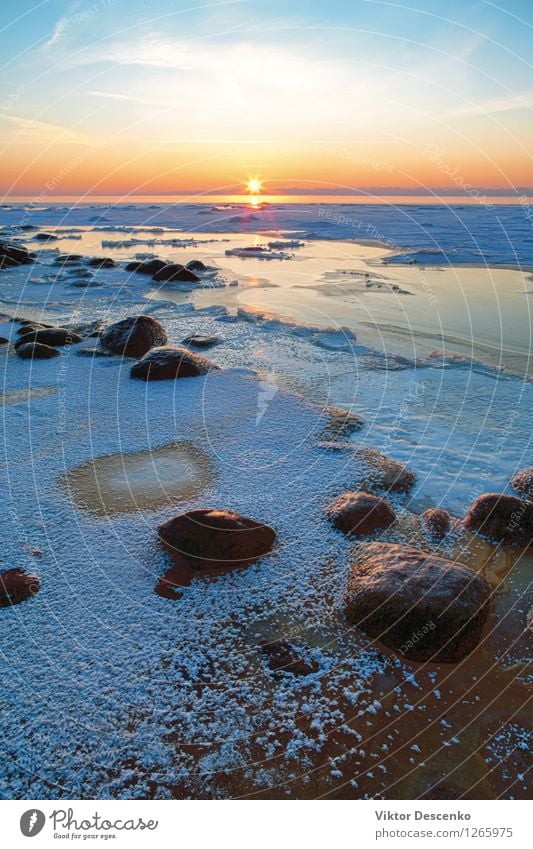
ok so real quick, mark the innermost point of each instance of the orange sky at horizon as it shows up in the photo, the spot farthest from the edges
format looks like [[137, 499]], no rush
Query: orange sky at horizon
[[99, 167]]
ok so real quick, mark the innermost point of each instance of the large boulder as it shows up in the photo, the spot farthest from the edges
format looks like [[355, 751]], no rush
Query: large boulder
[[133, 337], [502, 518], [16, 586], [210, 542], [170, 362], [422, 606], [175, 272], [522, 483], [359, 513], [36, 351], [12, 254], [56, 336]]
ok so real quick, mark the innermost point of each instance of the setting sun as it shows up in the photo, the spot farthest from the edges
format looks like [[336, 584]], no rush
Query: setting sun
[[254, 185]]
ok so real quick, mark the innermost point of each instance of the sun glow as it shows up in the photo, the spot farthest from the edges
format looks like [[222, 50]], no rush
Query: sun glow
[[254, 185]]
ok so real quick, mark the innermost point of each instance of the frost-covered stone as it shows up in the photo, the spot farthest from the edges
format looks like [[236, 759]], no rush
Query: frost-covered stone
[[436, 521], [359, 513], [133, 337], [170, 362], [423, 606]]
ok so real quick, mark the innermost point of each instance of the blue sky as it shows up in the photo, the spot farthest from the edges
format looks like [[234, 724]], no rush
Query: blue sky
[[147, 75]]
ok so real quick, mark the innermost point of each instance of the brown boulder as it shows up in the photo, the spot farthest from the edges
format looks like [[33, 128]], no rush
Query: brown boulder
[[502, 518], [436, 521], [4, 341], [36, 351], [522, 483], [16, 586], [422, 606], [175, 272], [209, 542], [50, 336], [359, 513], [201, 340], [133, 337], [170, 362]]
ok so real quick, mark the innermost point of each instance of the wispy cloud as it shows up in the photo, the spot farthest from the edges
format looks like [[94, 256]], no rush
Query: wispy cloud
[[495, 105], [26, 131]]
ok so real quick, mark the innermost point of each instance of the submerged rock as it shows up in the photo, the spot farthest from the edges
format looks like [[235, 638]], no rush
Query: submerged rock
[[133, 337], [522, 483], [4, 341], [50, 336], [284, 657], [29, 326], [358, 513], [209, 542], [36, 351], [170, 362], [381, 472], [196, 265], [436, 521], [422, 606], [64, 259], [16, 586], [503, 518], [340, 422], [175, 272], [12, 254], [102, 262], [202, 340]]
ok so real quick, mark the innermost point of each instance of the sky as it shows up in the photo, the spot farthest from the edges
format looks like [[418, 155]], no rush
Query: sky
[[135, 97]]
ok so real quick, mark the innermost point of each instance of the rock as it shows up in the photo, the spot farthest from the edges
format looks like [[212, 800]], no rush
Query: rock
[[170, 362], [102, 262], [30, 326], [64, 259], [36, 351], [17, 586], [382, 471], [201, 340], [209, 542], [502, 518], [359, 513], [133, 337], [4, 341], [175, 272], [45, 237], [340, 422], [196, 265], [58, 336], [422, 606], [283, 657], [522, 482], [147, 266], [436, 521], [12, 254], [93, 352]]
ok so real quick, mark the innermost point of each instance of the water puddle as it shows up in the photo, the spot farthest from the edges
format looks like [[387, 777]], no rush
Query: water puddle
[[122, 483], [26, 394]]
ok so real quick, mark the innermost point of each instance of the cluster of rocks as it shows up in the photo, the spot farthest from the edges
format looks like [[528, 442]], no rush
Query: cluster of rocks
[[12, 254], [164, 272]]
